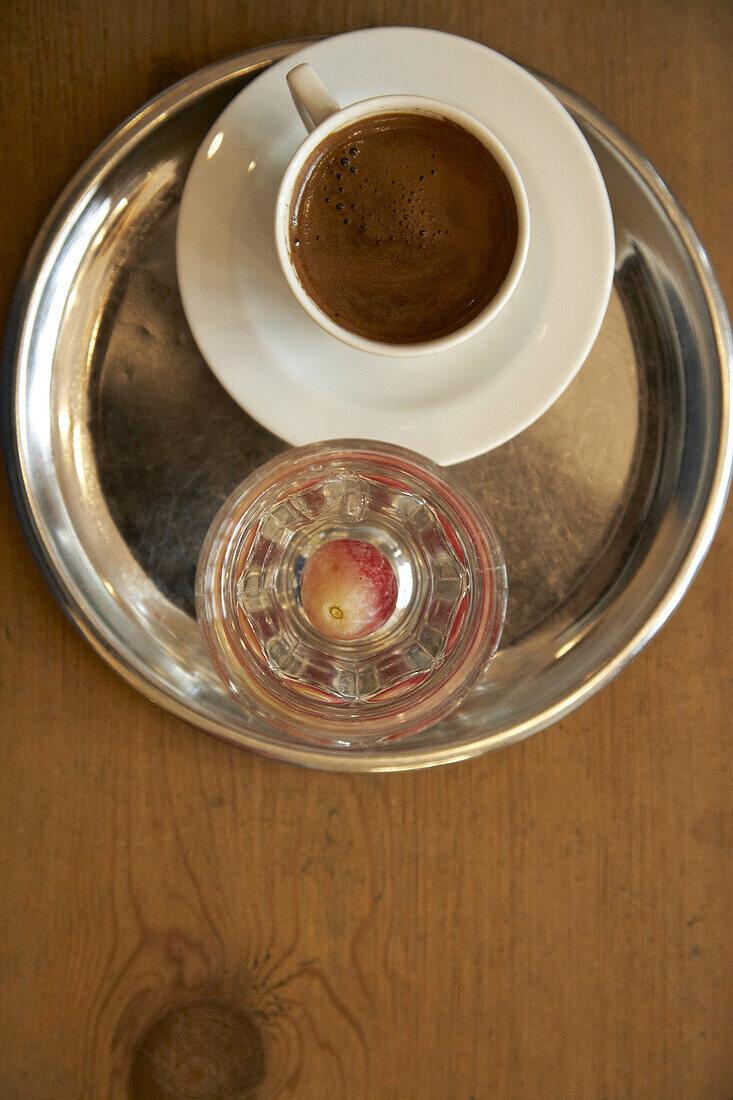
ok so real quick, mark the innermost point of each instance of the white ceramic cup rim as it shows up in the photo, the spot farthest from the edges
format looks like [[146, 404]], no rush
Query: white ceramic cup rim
[[412, 104]]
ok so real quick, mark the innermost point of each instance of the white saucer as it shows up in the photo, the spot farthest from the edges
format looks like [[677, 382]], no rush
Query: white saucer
[[304, 385]]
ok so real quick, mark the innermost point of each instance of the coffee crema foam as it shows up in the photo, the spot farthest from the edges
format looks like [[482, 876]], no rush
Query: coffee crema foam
[[403, 227]]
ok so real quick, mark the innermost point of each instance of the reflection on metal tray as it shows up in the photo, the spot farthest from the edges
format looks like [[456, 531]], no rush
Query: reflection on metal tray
[[123, 445]]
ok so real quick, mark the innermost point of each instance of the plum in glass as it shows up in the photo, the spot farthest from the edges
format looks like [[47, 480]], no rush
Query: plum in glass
[[348, 589]]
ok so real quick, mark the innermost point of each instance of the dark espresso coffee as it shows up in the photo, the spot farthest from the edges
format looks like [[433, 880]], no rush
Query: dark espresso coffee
[[403, 227]]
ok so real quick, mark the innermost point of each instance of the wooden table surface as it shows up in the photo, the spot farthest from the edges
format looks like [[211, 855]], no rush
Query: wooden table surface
[[182, 919]]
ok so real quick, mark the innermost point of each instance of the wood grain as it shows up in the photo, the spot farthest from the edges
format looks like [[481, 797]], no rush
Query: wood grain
[[180, 919]]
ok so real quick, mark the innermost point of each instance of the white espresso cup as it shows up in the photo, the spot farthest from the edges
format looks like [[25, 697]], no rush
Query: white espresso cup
[[323, 116]]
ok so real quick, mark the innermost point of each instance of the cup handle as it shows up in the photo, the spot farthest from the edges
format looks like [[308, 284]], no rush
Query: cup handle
[[313, 100]]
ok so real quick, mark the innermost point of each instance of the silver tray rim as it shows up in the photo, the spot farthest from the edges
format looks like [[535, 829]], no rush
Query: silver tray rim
[[133, 130]]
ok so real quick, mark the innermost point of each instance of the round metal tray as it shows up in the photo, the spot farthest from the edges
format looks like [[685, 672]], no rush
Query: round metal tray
[[121, 444]]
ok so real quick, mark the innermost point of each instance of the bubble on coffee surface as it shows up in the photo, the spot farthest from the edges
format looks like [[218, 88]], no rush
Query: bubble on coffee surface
[[401, 204]]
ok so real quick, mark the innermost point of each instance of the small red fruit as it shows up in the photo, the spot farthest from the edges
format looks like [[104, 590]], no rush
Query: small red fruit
[[348, 589]]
